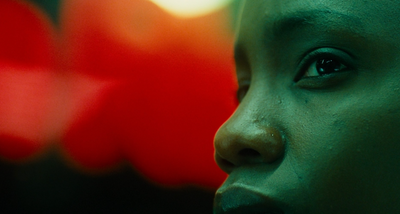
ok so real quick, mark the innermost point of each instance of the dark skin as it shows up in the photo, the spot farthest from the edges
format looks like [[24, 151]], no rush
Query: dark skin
[[318, 125]]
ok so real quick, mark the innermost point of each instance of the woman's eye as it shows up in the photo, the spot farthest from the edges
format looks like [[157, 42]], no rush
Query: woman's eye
[[323, 67], [241, 92]]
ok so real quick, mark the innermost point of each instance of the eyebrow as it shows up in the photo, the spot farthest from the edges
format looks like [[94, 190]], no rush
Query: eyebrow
[[286, 25]]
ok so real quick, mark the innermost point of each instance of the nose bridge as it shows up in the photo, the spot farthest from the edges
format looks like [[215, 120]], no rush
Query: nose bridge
[[248, 137]]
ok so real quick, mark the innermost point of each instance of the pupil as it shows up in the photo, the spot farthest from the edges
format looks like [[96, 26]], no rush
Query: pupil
[[327, 66]]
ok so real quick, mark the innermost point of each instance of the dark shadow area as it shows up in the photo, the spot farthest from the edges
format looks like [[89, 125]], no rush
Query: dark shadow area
[[49, 186]]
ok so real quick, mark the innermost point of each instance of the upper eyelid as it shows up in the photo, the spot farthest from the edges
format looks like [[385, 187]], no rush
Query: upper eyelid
[[320, 50], [310, 59]]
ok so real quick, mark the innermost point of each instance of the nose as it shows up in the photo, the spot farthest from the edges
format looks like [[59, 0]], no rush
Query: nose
[[243, 140]]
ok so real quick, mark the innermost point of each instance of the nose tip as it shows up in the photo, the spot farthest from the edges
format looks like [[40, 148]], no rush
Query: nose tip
[[251, 145]]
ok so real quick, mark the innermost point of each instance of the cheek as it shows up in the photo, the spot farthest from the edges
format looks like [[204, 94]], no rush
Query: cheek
[[348, 153]]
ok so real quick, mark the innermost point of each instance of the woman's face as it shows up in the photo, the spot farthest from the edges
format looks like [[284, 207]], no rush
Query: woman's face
[[318, 126]]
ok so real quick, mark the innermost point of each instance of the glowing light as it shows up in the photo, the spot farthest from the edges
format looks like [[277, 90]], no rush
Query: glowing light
[[191, 8]]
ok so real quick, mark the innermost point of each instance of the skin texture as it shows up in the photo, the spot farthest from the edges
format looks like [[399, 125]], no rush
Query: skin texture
[[305, 142]]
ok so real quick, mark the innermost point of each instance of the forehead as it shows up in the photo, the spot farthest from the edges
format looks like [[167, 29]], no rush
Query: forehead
[[378, 18], [366, 9]]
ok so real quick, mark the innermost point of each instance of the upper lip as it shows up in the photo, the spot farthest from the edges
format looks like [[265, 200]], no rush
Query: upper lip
[[240, 199]]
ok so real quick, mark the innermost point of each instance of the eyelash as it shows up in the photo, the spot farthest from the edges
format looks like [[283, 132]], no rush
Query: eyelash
[[315, 56]]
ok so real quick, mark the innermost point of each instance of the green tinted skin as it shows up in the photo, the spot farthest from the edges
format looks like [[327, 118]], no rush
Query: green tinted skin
[[318, 125]]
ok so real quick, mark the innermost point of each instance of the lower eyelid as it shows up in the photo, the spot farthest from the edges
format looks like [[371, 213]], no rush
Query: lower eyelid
[[325, 81]]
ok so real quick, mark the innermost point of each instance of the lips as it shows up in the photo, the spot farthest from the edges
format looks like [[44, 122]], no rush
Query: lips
[[242, 199]]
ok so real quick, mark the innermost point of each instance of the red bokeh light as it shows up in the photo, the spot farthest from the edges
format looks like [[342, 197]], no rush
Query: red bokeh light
[[27, 37], [26, 79], [132, 83]]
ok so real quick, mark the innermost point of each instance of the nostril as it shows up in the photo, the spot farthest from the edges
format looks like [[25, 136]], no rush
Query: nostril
[[249, 153]]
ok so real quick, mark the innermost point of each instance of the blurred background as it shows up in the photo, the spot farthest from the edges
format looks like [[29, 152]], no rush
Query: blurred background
[[111, 106]]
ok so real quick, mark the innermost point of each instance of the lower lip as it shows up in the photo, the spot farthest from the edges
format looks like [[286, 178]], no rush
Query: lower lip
[[238, 199]]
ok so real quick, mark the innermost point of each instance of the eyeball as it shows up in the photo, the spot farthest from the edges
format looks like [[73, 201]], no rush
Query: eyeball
[[323, 67]]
